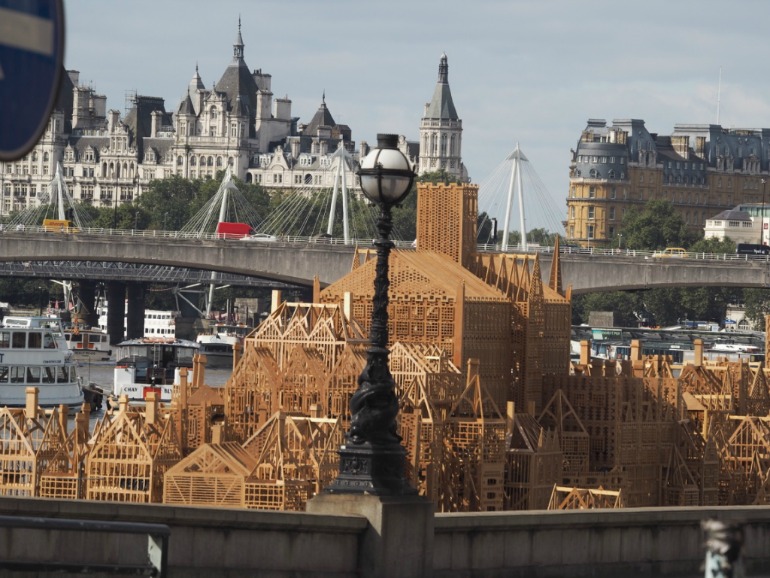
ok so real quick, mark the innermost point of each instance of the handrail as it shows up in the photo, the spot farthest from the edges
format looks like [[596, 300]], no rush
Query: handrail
[[157, 546], [334, 241]]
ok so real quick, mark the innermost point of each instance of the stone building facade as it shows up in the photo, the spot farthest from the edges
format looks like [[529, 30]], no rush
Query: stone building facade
[[109, 159], [700, 169]]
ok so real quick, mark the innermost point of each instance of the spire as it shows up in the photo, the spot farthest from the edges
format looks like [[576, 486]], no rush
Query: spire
[[443, 70], [238, 46], [441, 105]]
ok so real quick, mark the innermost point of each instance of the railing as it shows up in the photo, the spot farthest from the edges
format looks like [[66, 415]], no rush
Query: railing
[[323, 240], [658, 256], [154, 565]]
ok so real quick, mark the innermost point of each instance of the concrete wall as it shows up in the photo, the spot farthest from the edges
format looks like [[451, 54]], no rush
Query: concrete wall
[[234, 543], [638, 542]]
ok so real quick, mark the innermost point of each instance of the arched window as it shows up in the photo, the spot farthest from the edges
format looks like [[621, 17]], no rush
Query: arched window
[[213, 113], [219, 162], [192, 161], [611, 174], [179, 161], [210, 161]]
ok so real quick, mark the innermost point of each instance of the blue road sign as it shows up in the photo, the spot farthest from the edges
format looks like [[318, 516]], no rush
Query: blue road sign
[[31, 63]]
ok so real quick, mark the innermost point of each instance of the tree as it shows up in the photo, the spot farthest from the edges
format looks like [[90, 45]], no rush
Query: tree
[[656, 226], [170, 200], [626, 305]]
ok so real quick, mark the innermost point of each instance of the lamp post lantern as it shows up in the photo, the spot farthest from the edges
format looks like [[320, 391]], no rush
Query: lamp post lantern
[[372, 459]]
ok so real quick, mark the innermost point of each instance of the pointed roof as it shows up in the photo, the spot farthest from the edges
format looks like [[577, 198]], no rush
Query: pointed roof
[[441, 105], [237, 80], [322, 117], [186, 107]]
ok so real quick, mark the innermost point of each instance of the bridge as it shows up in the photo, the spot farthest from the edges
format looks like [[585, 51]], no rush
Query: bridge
[[296, 261]]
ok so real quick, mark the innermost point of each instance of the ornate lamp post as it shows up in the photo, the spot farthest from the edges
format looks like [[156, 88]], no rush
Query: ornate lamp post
[[762, 215], [372, 458]]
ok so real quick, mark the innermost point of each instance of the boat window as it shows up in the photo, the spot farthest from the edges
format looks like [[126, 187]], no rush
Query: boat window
[[75, 337], [62, 375], [17, 374], [3, 374], [49, 375], [33, 374], [35, 340], [5, 339], [48, 341], [19, 340]]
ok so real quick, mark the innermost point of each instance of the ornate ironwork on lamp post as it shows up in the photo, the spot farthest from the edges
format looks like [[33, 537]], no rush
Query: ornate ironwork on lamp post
[[372, 459]]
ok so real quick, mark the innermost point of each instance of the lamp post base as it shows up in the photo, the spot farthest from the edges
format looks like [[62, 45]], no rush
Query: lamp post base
[[371, 469]]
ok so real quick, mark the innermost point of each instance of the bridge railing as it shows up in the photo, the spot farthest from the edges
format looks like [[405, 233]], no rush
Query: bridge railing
[[324, 240], [190, 235]]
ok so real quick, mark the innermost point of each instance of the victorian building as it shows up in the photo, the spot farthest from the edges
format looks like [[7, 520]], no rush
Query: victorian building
[[108, 158], [441, 131], [700, 169]]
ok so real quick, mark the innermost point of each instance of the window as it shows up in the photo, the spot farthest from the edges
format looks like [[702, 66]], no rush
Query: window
[[613, 193], [612, 213], [18, 340], [591, 190], [591, 212], [590, 231]]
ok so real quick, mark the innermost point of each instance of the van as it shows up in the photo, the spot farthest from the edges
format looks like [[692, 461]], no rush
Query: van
[[59, 226], [750, 249]]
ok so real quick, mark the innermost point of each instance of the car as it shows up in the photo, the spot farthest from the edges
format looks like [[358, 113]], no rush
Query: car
[[260, 238], [322, 238], [671, 252]]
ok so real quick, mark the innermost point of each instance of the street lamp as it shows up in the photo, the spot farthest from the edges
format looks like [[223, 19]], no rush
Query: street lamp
[[762, 215], [372, 459]]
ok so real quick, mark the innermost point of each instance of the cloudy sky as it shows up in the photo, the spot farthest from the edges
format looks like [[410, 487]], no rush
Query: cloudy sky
[[521, 71]]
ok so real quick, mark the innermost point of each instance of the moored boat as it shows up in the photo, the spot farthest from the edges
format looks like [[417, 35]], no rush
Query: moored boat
[[34, 353], [151, 364], [218, 342], [88, 343]]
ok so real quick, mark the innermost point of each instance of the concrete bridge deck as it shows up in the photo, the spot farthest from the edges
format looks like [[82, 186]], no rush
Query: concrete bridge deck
[[298, 261]]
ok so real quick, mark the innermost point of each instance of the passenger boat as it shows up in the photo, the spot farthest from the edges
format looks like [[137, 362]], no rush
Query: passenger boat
[[151, 364], [34, 353], [88, 343], [218, 342]]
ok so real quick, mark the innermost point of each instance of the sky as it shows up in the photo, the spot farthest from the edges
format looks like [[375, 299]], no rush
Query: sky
[[526, 72]]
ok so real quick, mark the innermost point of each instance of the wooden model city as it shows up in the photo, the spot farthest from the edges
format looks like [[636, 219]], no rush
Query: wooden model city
[[494, 416]]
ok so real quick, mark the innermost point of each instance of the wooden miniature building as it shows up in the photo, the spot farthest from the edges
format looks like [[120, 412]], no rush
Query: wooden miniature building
[[131, 453], [34, 452]]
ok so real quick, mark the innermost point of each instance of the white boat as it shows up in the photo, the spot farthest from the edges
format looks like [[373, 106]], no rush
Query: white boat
[[218, 342], [157, 323], [34, 353], [151, 364], [88, 343]]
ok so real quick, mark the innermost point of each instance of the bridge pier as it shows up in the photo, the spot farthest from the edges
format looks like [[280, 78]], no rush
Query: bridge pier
[[116, 310], [135, 310], [87, 296]]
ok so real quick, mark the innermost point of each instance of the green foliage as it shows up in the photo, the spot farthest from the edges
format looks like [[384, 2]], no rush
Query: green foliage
[[757, 304], [405, 217], [713, 245], [170, 200], [655, 227], [627, 306]]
